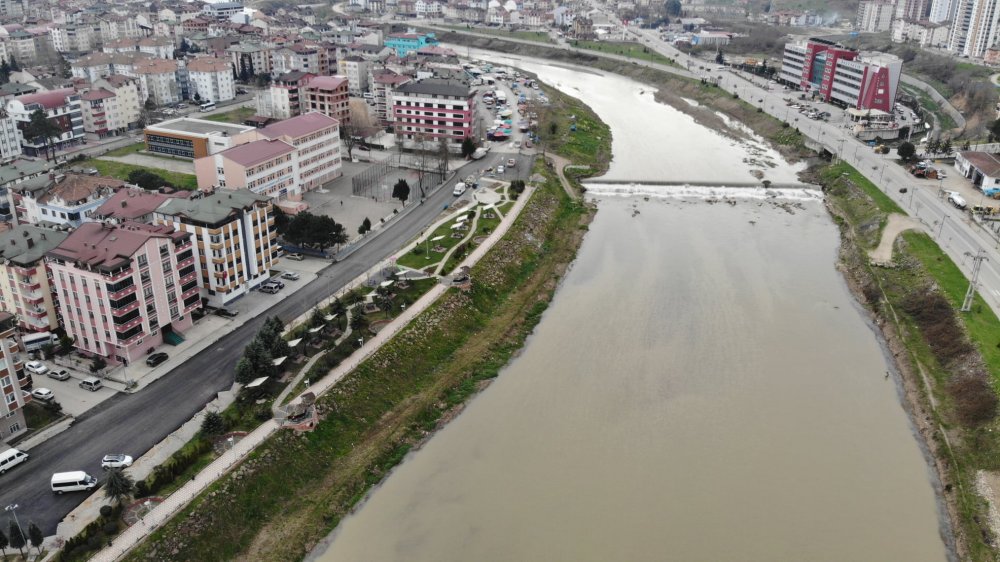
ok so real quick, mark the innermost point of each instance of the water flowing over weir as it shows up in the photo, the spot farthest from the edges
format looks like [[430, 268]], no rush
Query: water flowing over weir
[[702, 387]]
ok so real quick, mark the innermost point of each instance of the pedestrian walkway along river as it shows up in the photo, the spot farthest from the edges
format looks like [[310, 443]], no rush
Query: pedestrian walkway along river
[[703, 387]]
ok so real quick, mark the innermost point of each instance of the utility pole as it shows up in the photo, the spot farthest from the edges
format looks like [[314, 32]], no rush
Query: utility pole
[[977, 263]]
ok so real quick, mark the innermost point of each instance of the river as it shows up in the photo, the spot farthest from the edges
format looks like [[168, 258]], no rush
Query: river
[[703, 387]]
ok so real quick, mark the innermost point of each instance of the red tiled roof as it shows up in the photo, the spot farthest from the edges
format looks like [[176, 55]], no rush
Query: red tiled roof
[[299, 126], [988, 164], [78, 187], [253, 153], [98, 94], [101, 245], [328, 82], [49, 100], [130, 204], [209, 64]]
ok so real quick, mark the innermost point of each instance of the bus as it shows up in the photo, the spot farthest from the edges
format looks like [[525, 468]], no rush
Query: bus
[[34, 342], [207, 106]]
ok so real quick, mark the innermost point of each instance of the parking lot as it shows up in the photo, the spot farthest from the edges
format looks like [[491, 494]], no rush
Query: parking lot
[[73, 399]]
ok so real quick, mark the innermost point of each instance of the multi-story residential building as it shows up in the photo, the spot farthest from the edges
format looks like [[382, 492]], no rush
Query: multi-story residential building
[[942, 10], [911, 9], [984, 28], [127, 95], [329, 96], [960, 25], [62, 200], [11, 9], [10, 138], [923, 33], [14, 380], [284, 98], [113, 28], [211, 79], [25, 290], [158, 81], [235, 239], [255, 58], [158, 47], [101, 115], [134, 204], [21, 45], [289, 157], [295, 58], [192, 138], [875, 16], [102, 65], [78, 38], [405, 43], [61, 107], [122, 288], [841, 75], [384, 83], [222, 11], [426, 110], [355, 69], [14, 174]]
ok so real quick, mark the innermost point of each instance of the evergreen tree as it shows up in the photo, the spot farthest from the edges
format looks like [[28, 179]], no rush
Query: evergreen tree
[[35, 534], [118, 486], [366, 226], [401, 191], [15, 536], [13, 64], [4, 543]]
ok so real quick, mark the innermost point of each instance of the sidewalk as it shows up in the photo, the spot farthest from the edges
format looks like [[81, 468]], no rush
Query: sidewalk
[[162, 513]]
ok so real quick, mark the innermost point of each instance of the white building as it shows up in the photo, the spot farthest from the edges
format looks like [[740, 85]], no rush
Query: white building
[[10, 138], [63, 200], [942, 10], [211, 79], [875, 16], [356, 70], [158, 80], [923, 33], [127, 95]]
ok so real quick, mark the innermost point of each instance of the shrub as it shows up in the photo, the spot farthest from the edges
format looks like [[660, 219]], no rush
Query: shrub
[[975, 399], [107, 511], [213, 424]]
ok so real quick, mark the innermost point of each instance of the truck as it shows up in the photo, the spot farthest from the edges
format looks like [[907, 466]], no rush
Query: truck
[[479, 153]]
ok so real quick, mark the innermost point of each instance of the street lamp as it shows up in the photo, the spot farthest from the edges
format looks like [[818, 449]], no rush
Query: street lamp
[[941, 228], [427, 245], [12, 510]]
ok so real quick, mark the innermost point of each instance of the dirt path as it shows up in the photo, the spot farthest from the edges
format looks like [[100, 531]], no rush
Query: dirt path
[[559, 162], [897, 223]]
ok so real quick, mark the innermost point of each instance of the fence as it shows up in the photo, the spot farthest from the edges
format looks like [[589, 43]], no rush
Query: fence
[[371, 182]]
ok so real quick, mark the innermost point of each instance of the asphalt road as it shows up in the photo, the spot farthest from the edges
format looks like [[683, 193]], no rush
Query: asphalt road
[[134, 423]]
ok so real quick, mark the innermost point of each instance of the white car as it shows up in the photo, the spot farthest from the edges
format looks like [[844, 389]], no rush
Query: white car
[[459, 189], [43, 394], [290, 275], [116, 461], [500, 169], [957, 200], [36, 367]]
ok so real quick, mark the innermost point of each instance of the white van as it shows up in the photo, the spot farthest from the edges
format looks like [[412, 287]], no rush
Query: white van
[[11, 458], [73, 482], [92, 384], [459, 189]]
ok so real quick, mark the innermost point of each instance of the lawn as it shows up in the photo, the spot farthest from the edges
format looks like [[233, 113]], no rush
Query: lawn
[[537, 36], [930, 106], [121, 171], [37, 416], [421, 257], [237, 116], [590, 142], [126, 150], [627, 49]]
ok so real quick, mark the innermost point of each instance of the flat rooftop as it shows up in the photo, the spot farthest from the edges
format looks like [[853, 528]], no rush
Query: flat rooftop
[[199, 127]]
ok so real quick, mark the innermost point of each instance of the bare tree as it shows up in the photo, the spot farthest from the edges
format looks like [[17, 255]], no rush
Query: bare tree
[[443, 156]]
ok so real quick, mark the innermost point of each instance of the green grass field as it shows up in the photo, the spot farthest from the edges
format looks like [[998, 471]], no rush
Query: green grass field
[[237, 116], [630, 50], [537, 36], [126, 150], [121, 171]]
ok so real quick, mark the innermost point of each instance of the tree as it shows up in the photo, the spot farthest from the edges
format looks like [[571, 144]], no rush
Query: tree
[[40, 128], [906, 151], [149, 104], [118, 486], [933, 146], [946, 146], [13, 64], [244, 371], [36, 536], [383, 299], [98, 364], [213, 424], [147, 180], [719, 59], [443, 156], [236, 75], [994, 127], [366, 226], [401, 191], [358, 320], [468, 147], [517, 186], [197, 97], [15, 536], [4, 72], [244, 71], [672, 7]]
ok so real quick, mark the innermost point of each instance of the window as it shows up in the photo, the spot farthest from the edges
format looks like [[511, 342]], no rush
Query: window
[[11, 398], [141, 260], [15, 427], [5, 381]]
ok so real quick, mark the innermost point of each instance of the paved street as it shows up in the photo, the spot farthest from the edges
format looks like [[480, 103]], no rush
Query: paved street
[[134, 423]]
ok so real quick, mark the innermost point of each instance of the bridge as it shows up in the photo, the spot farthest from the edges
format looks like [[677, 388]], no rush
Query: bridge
[[728, 184]]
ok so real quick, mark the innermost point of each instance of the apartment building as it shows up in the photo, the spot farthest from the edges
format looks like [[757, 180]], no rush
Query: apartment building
[[158, 47], [429, 109], [913, 10], [123, 288], [101, 115], [875, 16], [61, 107], [384, 84], [158, 80], [235, 239], [25, 288], [62, 200], [923, 33], [21, 45], [10, 138], [983, 28], [211, 79], [329, 96], [355, 69], [295, 58], [942, 10], [134, 204], [73, 38], [192, 138], [127, 96], [284, 98], [102, 65], [14, 380], [113, 28], [289, 157], [405, 43], [254, 57], [960, 25], [842, 75]]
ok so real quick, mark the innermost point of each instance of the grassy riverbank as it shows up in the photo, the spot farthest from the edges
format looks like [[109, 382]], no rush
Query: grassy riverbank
[[949, 361], [293, 490]]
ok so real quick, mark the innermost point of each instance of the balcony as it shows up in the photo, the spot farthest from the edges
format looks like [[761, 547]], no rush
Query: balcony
[[185, 263], [27, 272], [118, 295], [125, 309], [118, 274], [37, 313], [28, 284]]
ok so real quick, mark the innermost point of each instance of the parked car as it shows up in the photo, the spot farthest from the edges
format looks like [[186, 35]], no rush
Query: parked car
[[92, 384], [511, 162], [295, 257], [226, 313], [290, 275], [957, 200], [36, 367], [117, 460], [156, 358], [43, 394], [459, 189], [500, 169], [182, 106], [269, 288], [62, 375]]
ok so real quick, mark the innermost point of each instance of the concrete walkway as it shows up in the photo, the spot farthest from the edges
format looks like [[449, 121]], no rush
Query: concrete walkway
[[277, 408], [162, 513], [896, 224], [560, 164]]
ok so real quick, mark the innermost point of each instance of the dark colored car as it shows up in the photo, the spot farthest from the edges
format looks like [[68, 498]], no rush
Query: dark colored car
[[156, 358], [226, 313]]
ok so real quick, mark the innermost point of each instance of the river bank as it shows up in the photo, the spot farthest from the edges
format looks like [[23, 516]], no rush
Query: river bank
[[294, 489], [944, 378]]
